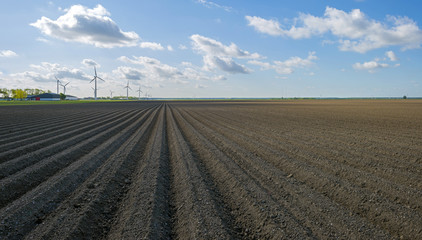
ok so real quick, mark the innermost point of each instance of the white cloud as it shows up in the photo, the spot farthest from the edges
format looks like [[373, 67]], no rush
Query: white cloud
[[210, 4], [224, 63], [288, 66], [271, 27], [391, 55], [356, 32], [182, 47], [89, 26], [217, 55], [153, 68], [370, 66], [151, 45], [151, 71], [47, 71], [212, 47], [170, 48], [8, 53], [40, 39], [130, 73], [35, 76], [90, 63]]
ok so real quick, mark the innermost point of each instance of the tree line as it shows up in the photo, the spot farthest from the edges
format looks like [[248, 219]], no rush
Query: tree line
[[21, 93]]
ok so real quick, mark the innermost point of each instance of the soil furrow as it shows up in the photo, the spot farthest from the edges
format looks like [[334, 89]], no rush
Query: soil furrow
[[197, 213], [325, 218], [14, 165], [89, 211], [360, 201], [145, 212], [51, 144], [31, 177], [23, 214], [329, 164], [44, 133], [291, 169], [255, 209], [14, 129], [356, 142]]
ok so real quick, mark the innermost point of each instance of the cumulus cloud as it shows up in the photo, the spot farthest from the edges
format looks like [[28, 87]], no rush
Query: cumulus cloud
[[90, 63], [89, 26], [47, 71], [370, 66], [32, 75], [8, 53], [224, 63], [378, 63], [288, 66], [212, 47], [151, 45], [391, 55], [271, 27], [217, 55], [130, 73], [153, 68], [151, 71], [356, 31]]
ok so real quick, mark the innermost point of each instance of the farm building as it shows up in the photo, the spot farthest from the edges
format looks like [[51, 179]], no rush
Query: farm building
[[70, 97], [45, 97]]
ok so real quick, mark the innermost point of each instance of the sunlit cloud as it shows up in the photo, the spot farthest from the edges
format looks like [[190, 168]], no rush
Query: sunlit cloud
[[8, 53], [151, 45], [356, 31], [216, 55], [90, 63], [89, 26], [287, 66]]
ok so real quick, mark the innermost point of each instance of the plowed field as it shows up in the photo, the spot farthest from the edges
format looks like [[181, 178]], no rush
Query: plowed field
[[321, 169]]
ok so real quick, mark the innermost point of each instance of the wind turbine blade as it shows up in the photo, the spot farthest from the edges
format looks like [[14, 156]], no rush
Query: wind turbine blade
[[101, 79], [95, 70], [92, 80]]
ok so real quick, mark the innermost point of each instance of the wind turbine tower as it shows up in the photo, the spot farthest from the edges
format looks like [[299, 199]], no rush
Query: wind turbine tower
[[95, 79], [64, 88], [127, 90], [111, 94], [58, 84], [139, 91]]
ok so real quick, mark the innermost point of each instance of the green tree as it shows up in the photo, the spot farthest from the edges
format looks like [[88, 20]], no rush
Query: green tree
[[62, 96], [5, 92], [19, 94]]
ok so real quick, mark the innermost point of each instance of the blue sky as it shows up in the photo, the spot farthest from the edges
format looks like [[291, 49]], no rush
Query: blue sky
[[201, 48]]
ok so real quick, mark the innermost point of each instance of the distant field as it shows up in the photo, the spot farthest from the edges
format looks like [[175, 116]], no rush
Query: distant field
[[308, 169], [12, 103]]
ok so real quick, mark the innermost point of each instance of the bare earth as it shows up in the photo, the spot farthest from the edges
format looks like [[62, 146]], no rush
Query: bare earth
[[306, 169]]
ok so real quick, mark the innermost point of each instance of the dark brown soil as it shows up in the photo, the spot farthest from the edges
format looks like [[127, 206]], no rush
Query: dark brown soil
[[305, 169]]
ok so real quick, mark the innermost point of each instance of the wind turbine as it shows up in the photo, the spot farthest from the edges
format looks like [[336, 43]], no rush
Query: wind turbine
[[95, 79], [64, 88], [111, 94], [127, 90], [139, 91], [58, 83]]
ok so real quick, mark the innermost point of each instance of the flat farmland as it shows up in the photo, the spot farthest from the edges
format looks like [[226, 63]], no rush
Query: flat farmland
[[303, 169]]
